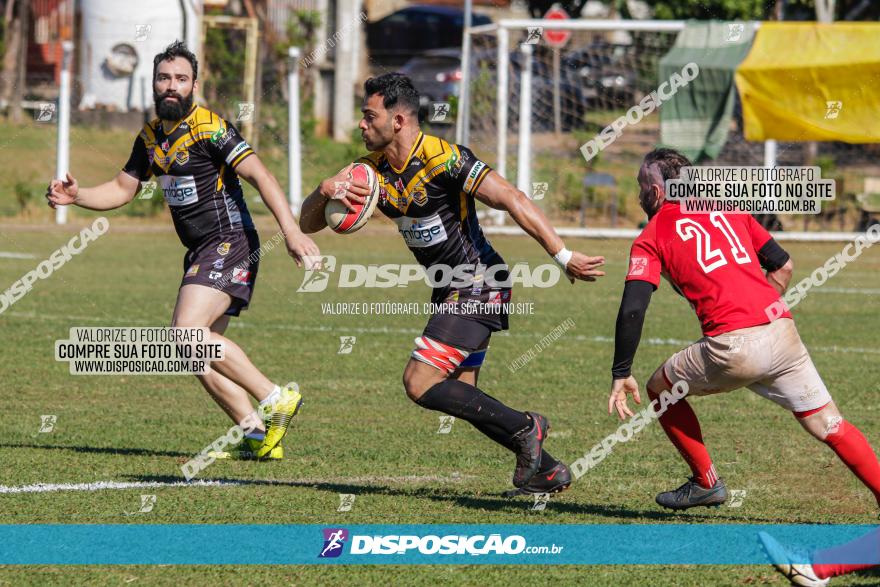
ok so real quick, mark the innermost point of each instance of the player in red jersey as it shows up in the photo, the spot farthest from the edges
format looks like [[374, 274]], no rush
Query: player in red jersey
[[715, 261]]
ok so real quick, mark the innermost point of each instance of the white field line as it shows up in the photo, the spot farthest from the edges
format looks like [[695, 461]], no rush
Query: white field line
[[679, 342], [8, 255], [116, 485]]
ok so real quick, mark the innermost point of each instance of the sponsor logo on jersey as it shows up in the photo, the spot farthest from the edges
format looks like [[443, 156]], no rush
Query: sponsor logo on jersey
[[191, 272], [179, 191], [238, 150], [222, 136], [218, 264], [455, 163], [241, 276], [182, 156], [165, 146], [398, 185], [214, 275], [638, 266], [223, 249], [472, 177], [421, 232]]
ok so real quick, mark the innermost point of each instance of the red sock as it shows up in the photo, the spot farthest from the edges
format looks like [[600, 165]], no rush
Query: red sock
[[848, 558], [683, 429], [854, 450]]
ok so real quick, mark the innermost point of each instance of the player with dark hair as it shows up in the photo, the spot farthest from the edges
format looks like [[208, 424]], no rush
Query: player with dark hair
[[428, 187], [197, 158], [715, 261]]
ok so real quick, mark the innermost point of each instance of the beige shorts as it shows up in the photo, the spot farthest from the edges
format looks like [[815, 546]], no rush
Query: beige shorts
[[769, 359]]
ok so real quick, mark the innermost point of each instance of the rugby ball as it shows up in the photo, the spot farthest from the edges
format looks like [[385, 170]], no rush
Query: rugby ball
[[342, 220]]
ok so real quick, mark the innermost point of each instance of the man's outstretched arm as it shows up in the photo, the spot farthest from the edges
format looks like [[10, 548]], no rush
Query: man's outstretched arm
[[627, 334], [299, 246], [498, 193], [117, 192]]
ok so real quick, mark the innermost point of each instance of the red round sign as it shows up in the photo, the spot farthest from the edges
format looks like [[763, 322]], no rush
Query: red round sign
[[556, 38]]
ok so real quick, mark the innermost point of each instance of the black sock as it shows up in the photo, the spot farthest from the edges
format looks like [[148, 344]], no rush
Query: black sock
[[486, 413], [452, 400]]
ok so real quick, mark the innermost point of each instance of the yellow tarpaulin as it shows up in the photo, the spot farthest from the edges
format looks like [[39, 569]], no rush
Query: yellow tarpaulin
[[812, 82]]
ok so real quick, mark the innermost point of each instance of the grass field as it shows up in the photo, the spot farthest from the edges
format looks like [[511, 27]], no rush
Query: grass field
[[359, 434]]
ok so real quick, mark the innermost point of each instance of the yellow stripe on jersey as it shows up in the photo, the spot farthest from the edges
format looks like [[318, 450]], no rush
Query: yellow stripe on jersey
[[483, 173], [238, 159]]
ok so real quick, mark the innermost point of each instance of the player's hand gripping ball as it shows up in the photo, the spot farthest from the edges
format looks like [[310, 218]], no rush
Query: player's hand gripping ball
[[343, 220]]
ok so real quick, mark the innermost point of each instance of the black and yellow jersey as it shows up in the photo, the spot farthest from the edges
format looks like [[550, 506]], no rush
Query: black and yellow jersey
[[431, 199], [194, 165]]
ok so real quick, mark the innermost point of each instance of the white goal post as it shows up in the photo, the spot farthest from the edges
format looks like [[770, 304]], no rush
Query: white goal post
[[486, 119]]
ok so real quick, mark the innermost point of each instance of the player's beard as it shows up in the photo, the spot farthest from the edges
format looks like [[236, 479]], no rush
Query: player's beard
[[170, 110], [378, 142]]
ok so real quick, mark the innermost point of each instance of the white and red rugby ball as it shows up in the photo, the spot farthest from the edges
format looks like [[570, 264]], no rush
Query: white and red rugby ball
[[342, 220]]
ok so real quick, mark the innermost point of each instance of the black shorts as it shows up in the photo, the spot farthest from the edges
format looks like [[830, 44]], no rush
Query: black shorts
[[227, 262], [467, 320]]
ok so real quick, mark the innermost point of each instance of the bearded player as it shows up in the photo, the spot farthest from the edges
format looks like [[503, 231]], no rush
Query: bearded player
[[715, 261], [197, 158], [428, 188]]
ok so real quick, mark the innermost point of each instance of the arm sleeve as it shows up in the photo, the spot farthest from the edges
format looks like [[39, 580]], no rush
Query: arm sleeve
[[138, 165], [628, 332], [227, 147], [772, 256], [464, 171]]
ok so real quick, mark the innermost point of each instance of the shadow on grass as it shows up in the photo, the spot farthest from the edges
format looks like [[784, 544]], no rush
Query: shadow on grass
[[110, 450], [491, 503]]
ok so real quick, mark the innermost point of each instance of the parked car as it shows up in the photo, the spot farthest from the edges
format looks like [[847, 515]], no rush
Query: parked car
[[436, 75], [416, 29], [606, 71]]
